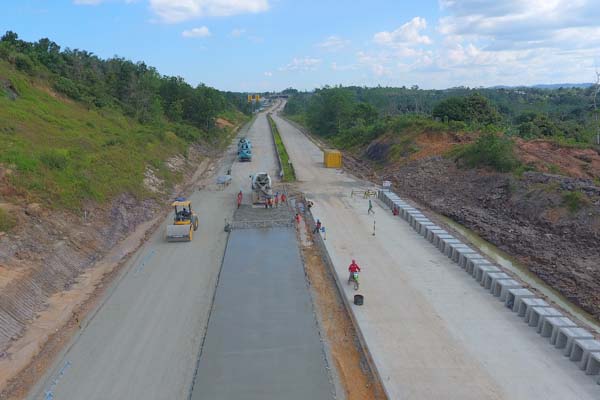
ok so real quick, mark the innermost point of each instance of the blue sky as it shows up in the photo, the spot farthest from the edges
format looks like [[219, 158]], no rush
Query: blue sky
[[258, 45]]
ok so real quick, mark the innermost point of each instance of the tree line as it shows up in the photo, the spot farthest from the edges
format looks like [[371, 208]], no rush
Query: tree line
[[136, 88]]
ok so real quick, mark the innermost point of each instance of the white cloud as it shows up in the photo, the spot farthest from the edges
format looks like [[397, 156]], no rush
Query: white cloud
[[200, 32], [237, 32], [268, 73], [333, 43], [302, 64], [172, 11], [408, 34]]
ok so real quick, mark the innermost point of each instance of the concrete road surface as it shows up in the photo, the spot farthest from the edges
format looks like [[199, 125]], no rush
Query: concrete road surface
[[262, 340], [143, 342], [434, 333]]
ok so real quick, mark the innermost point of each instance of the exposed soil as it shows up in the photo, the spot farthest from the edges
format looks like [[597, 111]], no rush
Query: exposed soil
[[340, 335]]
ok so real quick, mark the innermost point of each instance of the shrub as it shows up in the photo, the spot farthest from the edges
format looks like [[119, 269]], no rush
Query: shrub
[[67, 87], [7, 221], [490, 150], [574, 201], [24, 63], [55, 158]]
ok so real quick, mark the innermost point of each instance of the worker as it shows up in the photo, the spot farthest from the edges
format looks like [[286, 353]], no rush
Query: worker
[[185, 213], [352, 268], [282, 198], [395, 211], [276, 200], [297, 217], [240, 196], [317, 226], [370, 210]]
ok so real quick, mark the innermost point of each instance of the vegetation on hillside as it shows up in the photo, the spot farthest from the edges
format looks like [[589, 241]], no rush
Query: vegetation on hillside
[[75, 128], [352, 117]]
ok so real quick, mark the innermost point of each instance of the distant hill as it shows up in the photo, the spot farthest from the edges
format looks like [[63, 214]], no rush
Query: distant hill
[[549, 86]]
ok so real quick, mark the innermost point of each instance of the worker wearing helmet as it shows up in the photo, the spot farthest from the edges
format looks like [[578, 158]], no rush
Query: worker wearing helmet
[[353, 267]]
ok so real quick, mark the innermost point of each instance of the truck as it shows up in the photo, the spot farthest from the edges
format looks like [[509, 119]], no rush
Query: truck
[[244, 149], [261, 187]]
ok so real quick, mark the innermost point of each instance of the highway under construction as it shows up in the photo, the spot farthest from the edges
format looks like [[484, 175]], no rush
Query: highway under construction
[[231, 314]]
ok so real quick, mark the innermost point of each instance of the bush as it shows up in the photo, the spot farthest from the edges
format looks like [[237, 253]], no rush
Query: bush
[[490, 150], [7, 221], [55, 158], [574, 201], [24, 64], [67, 87]]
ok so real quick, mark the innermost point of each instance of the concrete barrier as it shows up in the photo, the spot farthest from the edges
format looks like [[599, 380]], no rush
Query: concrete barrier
[[514, 296], [593, 365], [500, 288], [459, 250], [464, 259], [551, 325], [431, 233], [426, 229], [449, 248], [582, 349], [443, 243], [438, 238], [537, 315], [566, 336], [490, 277], [480, 270], [527, 304]]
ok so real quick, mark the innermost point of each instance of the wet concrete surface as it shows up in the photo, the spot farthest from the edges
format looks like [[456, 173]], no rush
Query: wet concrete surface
[[262, 340]]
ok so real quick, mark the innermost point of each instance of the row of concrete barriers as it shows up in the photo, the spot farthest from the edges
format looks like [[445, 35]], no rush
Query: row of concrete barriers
[[575, 342]]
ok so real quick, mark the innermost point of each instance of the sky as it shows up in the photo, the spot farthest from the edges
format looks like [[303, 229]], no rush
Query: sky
[[269, 45]]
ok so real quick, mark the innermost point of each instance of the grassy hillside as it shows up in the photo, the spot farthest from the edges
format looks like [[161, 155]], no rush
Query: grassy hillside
[[62, 153]]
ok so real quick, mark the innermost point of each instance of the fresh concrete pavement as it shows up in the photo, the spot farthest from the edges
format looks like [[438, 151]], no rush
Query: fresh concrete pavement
[[262, 340], [143, 342], [433, 333]]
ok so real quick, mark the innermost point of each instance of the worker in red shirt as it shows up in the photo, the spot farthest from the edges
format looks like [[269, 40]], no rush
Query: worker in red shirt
[[240, 195], [283, 197], [353, 268]]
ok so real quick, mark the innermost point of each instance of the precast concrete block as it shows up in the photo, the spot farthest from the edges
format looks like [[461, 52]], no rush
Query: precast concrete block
[[537, 315], [449, 248], [480, 270], [593, 365], [412, 217], [427, 228], [444, 243], [490, 277], [405, 210], [472, 263], [501, 287], [526, 305], [514, 296], [417, 222], [423, 227], [432, 232], [551, 325], [457, 251], [566, 336], [582, 349], [464, 258], [437, 239]]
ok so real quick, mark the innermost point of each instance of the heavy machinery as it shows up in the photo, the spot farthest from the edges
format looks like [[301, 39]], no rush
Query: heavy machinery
[[244, 149], [185, 222], [261, 187]]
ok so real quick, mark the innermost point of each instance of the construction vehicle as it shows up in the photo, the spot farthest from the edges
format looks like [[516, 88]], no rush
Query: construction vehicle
[[185, 222], [244, 149], [261, 188]]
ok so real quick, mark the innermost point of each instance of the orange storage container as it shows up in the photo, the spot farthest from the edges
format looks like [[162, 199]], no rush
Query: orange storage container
[[332, 159]]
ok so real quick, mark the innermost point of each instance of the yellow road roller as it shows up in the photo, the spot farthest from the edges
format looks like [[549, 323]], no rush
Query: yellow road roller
[[185, 222]]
